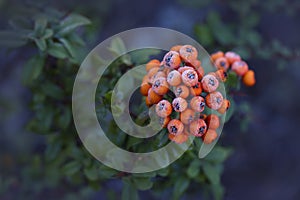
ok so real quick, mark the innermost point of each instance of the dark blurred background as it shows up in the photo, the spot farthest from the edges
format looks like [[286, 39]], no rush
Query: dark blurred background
[[265, 163]]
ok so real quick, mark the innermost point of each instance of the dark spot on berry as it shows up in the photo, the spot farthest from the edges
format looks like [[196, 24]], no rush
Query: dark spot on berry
[[211, 82], [157, 83], [177, 107], [161, 106], [173, 129], [191, 76], [189, 50], [196, 86], [225, 74], [202, 104], [218, 100], [223, 64], [201, 130]]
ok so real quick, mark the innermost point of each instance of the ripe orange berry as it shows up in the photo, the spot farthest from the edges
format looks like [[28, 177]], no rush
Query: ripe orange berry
[[232, 57], [152, 64], [164, 121], [221, 75], [189, 77], [195, 63], [216, 55], [160, 86], [214, 100], [210, 136], [172, 60], [175, 127], [249, 78], [145, 86], [146, 79], [198, 127], [153, 98], [196, 90], [240, 67], [152, 72], [179, 104], [184, 68], [174, 78], [222, 63], [179, 138], [200, 72], [147, 101], [197, 103], [224, 107], [187, 116], [188, 53], [158, 75], [209, 83], [176, 48], [163, 108], [182, 91], [212, 121]]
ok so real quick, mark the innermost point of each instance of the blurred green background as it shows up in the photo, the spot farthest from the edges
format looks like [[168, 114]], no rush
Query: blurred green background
[[263, 132]]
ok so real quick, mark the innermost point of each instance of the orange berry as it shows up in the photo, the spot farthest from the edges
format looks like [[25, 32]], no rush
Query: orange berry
[[249, 78], [188, 53], [147, 101], [152, 72], [203, 116], [163, 108], [216, 55], [210, 136], [221, 75], [187, 116], [160, 86], [179, 104], [240, 67], [189, 77], [212, 121], [200, 72], [232, 57], [214, 100], [174, 78], [144, 88], [224, 107], [153, 98], [164, 121], [222, 63], [196, 90], [175, 127], [184, 68], [209, 83], [198, 127], [176, 48], [197, 103], [152, 64], [182, 91], [179, 138], [172, 60], [146, 79]]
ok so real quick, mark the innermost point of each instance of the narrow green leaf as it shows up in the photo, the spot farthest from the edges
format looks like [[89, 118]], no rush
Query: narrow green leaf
[[212, 172], [193, 169], [71, 22], [32, 69], [142, 183], [52, 90], [129, 192], [41, 43], [57, 50], [71, 168], [70, 48], [47, 34], [218, 154], [12, 39], [204, 34], [40, 25], [91, 173], [181, 185]]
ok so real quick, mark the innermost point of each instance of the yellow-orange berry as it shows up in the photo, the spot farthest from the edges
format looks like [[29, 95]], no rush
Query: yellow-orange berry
[[200, 72], [189, 77], [195, 63], [212, 121], [232, 57], [160, 86], [240, 67], [164, 121], [179, 138], [221, 75], [196, 90], [145, 86], [175, 127], [188, 53], [222, 63], [152, 72], [210, 136], [224, 107], [184, 68], [176, 48], [163, 108], [182, 91], [179, 104], [209, 83], [146, 79], [172, 60], [216, 55], [153, 98], [152, 64], [198, 127], [197, 103], [249, 78], [187, 116], [214, 100], [174, 78], [147, 101]]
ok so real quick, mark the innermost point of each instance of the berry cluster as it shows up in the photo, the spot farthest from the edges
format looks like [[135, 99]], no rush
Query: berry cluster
[[178, 84]]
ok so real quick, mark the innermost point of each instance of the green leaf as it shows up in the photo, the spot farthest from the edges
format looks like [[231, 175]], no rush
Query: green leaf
[[129, 192], [142, 183], [91, 173], [12, 39], [218, 154], [71, 168], [52, 90], [70, 48], [218, 191], [47, 34], [181, 185], [204, 35], [212, 172], [118, 48], [33, 69], [65, 118], [193, 169], [40, 25], [41, 43], [57, 50], [71, 22]]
